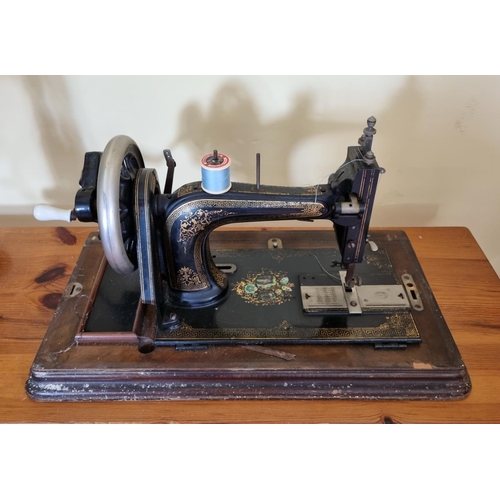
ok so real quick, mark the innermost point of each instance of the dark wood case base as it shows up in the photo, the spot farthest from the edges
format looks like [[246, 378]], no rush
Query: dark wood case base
[[76, 363]]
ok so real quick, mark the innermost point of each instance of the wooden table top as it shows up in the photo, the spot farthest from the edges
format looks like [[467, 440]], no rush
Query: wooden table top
[[465, 285]]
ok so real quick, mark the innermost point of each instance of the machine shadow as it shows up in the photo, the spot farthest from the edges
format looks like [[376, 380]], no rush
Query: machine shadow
[[425, 155], [234, 125], [400, 127], [58, 133]]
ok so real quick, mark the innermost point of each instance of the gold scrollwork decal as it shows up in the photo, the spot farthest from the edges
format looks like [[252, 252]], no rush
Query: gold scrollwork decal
[[196, 222], [188, 279], [188, 188], [218, 275], [204, 212], [286, 330], [306, 208], [310, 210]]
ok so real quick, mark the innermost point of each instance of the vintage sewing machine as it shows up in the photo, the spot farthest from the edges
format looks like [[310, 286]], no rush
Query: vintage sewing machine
[[161, 307]]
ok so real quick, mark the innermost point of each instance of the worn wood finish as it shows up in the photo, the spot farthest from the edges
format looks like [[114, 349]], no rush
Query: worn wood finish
[[67, 369], [35, 265]]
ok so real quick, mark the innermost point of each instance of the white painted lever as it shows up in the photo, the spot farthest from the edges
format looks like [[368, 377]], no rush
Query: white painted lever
[[47, 212]]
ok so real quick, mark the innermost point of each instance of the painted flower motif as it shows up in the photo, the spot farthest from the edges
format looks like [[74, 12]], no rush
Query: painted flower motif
[[264, 281], [250, 288], [266, 296], [265, 288]]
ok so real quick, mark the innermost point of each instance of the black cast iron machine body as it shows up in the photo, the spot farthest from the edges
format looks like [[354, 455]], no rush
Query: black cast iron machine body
[[166, 235]]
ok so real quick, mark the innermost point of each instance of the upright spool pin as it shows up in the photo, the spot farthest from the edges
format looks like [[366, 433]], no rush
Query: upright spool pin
[[215, 173]]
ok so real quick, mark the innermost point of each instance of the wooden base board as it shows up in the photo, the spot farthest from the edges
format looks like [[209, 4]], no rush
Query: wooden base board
[[70, 367]]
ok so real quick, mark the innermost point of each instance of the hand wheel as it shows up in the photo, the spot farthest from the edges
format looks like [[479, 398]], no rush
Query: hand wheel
[[118, 168]]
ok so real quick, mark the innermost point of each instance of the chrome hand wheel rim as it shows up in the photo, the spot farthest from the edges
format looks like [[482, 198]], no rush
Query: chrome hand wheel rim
[[119, 164]]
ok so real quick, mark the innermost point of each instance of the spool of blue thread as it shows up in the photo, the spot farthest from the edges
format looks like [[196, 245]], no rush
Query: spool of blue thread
[[215, 173]]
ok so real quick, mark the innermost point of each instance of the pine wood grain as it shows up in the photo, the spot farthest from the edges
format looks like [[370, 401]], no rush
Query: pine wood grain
[[35, 264]]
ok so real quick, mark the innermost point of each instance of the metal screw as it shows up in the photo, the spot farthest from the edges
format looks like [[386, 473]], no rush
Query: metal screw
[[354, 304]]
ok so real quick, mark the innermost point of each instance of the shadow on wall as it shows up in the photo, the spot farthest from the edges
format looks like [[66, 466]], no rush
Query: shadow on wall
[[416, 155], [432, 156], [400, 129], [233, 126], [58, 133]]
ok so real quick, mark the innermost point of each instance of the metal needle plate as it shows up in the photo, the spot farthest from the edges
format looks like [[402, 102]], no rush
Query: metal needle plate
[[383, 297], [367, 297], [320, 298]]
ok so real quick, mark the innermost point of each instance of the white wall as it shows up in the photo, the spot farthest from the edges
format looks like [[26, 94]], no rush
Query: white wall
[[437, 137]]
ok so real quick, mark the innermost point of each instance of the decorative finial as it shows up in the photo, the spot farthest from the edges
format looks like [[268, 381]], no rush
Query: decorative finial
[[369, 131]]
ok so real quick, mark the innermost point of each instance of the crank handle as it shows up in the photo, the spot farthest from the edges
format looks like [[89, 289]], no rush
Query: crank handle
[[48, 212]]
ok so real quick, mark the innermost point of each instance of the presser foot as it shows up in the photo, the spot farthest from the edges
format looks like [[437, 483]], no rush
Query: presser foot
[[350, 293]]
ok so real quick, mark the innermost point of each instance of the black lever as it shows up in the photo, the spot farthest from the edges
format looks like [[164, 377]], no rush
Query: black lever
[[170, 171]]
